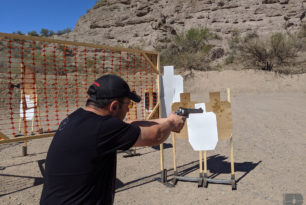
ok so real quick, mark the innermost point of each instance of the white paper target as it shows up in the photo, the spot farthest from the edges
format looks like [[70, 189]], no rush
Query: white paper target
[[178, 88], [171, 87], [29, 113], [202, 129]]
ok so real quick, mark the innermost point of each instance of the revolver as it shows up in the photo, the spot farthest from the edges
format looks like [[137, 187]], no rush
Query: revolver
[[186, 111]]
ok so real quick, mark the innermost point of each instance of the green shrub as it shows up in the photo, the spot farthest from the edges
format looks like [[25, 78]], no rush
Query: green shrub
[[302, 31], [283, 47], [279, 49], [230, 59], [234, 41], [189, 50], [256, 51], [193, 40]]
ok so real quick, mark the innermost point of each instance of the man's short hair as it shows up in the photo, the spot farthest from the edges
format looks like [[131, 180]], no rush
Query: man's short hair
[[102, 103]]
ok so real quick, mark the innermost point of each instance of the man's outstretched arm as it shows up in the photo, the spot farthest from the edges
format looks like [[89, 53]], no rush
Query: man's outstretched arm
[[154, 132]]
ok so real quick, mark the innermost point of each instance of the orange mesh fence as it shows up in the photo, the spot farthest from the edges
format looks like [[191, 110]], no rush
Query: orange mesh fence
[[44, 80]]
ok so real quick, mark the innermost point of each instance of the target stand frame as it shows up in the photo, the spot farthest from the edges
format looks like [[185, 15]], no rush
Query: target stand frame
[[206, 179]]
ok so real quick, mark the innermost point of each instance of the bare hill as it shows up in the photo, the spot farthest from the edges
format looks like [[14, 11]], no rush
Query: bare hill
[[151, 24]]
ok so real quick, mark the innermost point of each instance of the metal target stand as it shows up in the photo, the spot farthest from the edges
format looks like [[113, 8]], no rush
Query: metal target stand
[[177, 177], [207, 180], [203, 178], [232, 180]]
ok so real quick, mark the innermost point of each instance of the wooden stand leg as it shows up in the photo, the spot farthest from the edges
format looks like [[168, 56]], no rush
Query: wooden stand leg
[[205, 182], [233, 181], [25, 147], [200, 183], [174, 152], [163, 171], [39, 121], [174, 181], [201, 161], [232, 156], [19, 126], [32, 126]]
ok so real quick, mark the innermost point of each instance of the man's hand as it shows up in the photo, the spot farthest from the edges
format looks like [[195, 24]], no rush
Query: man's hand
[[178, 122]]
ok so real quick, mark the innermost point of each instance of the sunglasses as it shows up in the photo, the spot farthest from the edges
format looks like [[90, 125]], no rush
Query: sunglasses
[[130, 103]]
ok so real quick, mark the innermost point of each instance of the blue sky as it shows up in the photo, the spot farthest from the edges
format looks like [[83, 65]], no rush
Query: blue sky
[[29, 15]]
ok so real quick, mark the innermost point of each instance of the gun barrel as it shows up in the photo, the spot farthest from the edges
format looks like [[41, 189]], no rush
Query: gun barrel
[[190, 110], [198, 110], [186, 111]]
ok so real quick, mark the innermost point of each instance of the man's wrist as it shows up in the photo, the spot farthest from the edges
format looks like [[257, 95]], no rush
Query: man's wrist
[[171, 122]]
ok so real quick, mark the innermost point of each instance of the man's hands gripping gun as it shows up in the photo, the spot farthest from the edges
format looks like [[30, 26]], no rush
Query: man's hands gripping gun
[[186, 111]]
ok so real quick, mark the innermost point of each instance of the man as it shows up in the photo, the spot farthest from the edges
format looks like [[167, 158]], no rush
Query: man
[[81, 161]]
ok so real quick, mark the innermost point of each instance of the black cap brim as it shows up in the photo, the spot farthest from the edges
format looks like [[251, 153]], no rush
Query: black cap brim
[[134, 97]]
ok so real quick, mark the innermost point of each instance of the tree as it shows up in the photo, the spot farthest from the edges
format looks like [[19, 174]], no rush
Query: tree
[[61, 32], [46, 32], [18, 32], [33, 33]]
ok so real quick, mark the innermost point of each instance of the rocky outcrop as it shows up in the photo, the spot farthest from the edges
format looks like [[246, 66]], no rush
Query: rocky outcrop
[[150, 24]]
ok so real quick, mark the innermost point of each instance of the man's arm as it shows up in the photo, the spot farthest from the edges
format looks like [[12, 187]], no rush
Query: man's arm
[[154, 132]]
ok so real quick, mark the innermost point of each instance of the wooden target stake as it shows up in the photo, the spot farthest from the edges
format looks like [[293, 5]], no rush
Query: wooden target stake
[[231, 140], [205, 162], [201, 162], [28, 89], [174, 152]]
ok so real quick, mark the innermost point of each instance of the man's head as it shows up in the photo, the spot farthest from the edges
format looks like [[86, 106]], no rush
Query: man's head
[[112, 94]]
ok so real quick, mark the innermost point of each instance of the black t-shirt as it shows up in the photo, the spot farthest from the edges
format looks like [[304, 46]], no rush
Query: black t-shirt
[[81, 161]]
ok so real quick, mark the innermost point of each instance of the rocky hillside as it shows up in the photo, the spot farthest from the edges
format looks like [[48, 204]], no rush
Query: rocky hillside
[[149, 24]]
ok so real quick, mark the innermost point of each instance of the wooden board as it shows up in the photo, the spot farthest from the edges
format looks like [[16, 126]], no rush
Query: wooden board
[[155, 113], [25, 138], [223, 112], [28, 86], [186, 103], [3, 136], [132, 114]]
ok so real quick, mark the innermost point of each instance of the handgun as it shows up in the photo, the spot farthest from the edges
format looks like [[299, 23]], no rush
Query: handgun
[[186, 111]]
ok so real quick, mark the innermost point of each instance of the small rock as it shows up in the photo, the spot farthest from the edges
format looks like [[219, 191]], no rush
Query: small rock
[[283, 1], [269, 1], [302, 15], [142, 12], [288, 24]]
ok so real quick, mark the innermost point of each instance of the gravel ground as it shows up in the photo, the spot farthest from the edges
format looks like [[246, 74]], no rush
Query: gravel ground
[[269, 136]]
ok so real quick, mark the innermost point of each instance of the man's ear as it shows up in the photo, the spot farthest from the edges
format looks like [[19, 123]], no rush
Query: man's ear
[[114, 105]]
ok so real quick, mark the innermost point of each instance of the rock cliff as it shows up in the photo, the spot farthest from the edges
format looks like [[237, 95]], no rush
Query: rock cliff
[[150, 24]]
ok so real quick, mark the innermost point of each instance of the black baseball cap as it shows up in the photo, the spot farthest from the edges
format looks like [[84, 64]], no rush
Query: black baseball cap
[[111, 86]]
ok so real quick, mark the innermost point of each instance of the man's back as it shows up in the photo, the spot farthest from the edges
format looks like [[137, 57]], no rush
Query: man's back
[[81, 161]]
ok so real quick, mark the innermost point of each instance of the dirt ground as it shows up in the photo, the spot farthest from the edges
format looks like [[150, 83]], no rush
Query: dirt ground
[[269, 136]]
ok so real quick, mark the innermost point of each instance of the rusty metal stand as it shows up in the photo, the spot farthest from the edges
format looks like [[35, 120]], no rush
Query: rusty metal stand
[[177, 178], [231, 181], [163, 172]]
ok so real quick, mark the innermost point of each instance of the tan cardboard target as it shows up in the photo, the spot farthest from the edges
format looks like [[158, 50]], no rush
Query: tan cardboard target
[[185, 103], [223, 112]]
